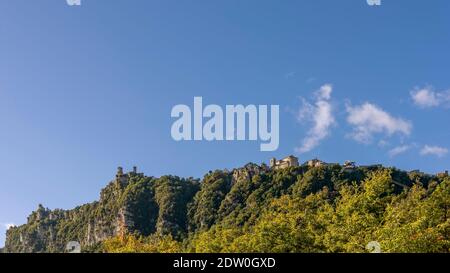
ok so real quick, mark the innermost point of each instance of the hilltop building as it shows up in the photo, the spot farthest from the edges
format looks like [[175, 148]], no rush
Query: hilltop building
[[315, 163], [417, 172], [290, 161], [350, 165], [122, 178], [442, 175]]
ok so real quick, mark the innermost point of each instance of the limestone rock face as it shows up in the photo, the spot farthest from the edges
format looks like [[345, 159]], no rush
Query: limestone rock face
[[51, 230], [125, 221], [136, 204], [247, 172], [130, 203]]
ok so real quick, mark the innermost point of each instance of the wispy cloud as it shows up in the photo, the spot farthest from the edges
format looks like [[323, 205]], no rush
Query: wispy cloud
[[399, 150], [427, 97], [434, 150], [289, 75], [320, 114], [383, 143], [368, 119]]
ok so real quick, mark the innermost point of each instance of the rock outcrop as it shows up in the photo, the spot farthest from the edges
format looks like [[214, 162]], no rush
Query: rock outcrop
[[127, 205], [136, 204]]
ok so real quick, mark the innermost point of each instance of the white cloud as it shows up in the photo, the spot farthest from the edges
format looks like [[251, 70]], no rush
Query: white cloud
[[427, 97], [399, 150], [321, 115], [368, 119], [434, 150], [324, 93]]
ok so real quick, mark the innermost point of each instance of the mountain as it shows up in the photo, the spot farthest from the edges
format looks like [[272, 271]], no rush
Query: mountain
[[315, 207]]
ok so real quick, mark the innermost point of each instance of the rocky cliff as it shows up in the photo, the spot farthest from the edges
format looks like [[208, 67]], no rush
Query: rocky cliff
[[131, 203], [169, 205]]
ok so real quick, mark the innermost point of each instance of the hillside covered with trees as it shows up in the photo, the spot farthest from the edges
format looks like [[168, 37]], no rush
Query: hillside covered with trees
[[326, 208]]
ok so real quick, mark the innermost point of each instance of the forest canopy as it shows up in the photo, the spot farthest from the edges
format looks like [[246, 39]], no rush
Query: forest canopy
[[254, 209]]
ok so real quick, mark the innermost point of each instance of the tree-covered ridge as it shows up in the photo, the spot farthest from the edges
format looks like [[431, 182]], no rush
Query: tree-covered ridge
[[139, 204], [327, 208]]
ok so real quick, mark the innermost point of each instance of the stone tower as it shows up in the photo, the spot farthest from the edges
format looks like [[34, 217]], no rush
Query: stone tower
[[119, 172], [121, 178], [273, 162]]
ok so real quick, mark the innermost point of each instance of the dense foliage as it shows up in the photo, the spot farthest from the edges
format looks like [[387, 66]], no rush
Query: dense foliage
[[254, 209]]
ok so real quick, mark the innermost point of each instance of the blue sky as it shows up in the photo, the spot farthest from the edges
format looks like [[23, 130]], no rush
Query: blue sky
[[86, 89]]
